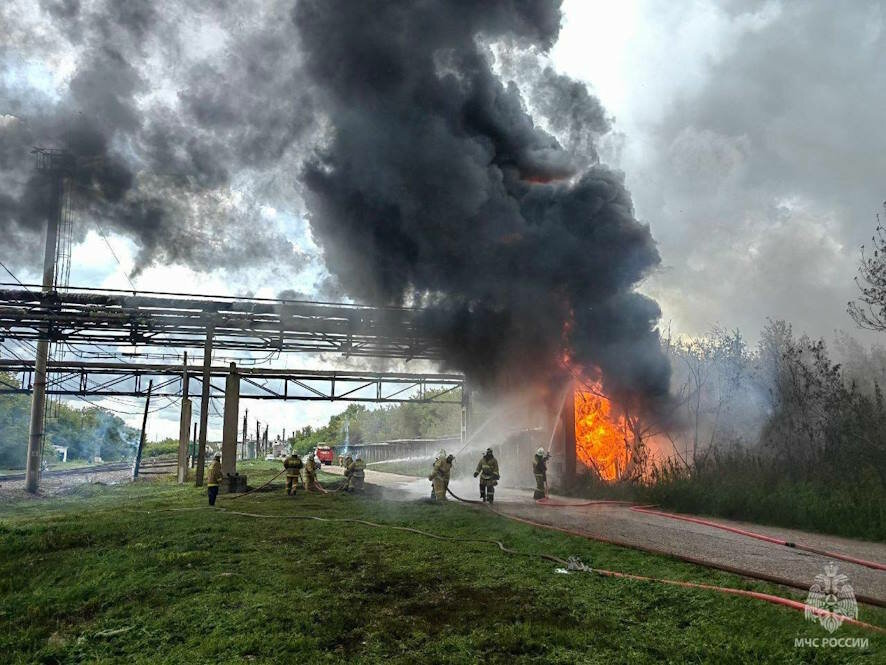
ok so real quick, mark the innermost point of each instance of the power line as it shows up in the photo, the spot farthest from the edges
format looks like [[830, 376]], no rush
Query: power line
[[15, 278], [101, 232]]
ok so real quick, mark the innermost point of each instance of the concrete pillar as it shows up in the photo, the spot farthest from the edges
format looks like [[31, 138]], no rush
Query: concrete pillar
[[567, 418], [204, 407], [184, 426], [229, 427], [465, 412], [184, 431]]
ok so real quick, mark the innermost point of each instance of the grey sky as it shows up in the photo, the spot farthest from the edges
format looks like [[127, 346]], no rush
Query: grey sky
[[754, 146]]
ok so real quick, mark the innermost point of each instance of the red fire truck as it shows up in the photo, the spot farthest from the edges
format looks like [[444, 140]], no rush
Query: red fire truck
[[324, 454]]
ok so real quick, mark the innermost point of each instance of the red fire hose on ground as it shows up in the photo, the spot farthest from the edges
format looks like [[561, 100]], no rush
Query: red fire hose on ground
[[759, 536], [597, 502], [766, 597], [770, 598]]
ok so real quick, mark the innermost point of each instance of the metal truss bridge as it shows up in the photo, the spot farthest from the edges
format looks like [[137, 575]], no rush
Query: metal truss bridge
[[99, 379], [120, 318], [108, 319]]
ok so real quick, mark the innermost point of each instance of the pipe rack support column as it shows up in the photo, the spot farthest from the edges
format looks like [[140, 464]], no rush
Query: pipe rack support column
[[184, 440], [229, 427], [204, 407], [244, 446], [465, 412], [568, 420], [184, 426]]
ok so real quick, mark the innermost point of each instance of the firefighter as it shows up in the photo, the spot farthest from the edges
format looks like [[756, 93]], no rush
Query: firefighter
[[449, 459], [355, 475], [540, 469], [440, 475], [293, 466], [487, 469], [311, 473], [215, 478]]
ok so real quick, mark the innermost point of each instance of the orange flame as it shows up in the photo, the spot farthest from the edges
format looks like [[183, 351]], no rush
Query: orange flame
[[599, 438]]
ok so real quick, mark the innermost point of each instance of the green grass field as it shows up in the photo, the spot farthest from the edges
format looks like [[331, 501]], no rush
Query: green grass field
[[147, 573]]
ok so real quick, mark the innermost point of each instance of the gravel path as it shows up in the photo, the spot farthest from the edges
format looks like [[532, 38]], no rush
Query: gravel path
[[56, 484], [681, 539]]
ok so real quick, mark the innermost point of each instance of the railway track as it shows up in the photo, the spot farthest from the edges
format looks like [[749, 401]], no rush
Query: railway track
[[153, 467]]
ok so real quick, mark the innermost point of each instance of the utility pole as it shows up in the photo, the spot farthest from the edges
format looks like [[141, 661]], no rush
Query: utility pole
[[245, 444], [56, 164], [204, 407], [258, 438], [194, 448], [141, 438]]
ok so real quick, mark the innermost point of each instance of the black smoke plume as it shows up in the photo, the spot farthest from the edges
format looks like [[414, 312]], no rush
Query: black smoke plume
[[412, 130], [161, 134], [437, 188]]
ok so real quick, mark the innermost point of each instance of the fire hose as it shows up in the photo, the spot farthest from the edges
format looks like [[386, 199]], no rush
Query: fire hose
[[769, 598], [255, 489], [759, 536], [716, 525], [317, 486]]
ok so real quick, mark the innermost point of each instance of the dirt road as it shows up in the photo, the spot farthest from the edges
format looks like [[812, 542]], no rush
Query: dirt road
[[697, 542]]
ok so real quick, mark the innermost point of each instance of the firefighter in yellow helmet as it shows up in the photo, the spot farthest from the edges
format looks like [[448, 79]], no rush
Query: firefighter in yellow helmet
[[355, 475], [540, 469], [215, 478], [293, 466], [487, 469], [440, 475], [311, 473]]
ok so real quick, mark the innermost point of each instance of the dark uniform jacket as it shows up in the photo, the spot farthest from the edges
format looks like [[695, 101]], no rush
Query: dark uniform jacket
[[293, 465], [488, 468], [540, 466]]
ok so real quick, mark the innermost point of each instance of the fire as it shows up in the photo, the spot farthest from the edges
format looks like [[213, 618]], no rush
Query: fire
[[599, 438]]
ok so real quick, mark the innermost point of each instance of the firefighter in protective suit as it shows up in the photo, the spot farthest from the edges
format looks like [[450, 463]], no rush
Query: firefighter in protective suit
[[215, 478], [355, 475], [487, 469], [440, 475], [311, 473], [293, 466], [540, 469]]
